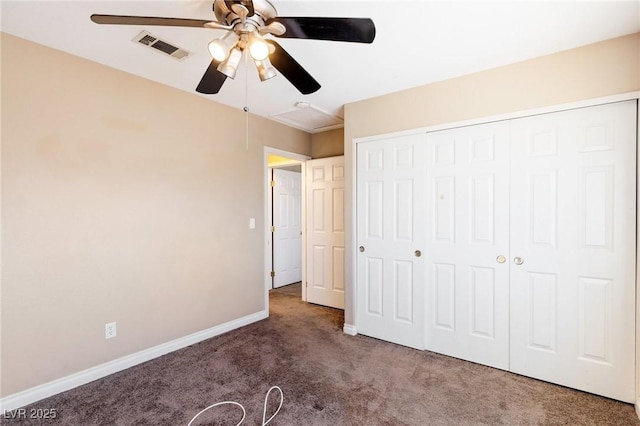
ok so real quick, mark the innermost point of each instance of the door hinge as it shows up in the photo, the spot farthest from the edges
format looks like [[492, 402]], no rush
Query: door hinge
[[273, 228], [273, 183], [273, 274]]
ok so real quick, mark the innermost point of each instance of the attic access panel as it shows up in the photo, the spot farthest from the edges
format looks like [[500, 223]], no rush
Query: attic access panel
[[309, 118]]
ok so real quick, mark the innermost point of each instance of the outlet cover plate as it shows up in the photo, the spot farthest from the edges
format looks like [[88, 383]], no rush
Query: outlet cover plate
[[110, 330]]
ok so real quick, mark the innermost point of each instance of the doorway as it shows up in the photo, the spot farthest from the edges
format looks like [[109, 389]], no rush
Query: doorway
[[286, 225], [284, 219], [320, 232]]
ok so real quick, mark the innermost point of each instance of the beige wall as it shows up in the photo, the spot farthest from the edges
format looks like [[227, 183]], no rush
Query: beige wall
[[592, 71], [598, 70], [327, 144], [123, 200]]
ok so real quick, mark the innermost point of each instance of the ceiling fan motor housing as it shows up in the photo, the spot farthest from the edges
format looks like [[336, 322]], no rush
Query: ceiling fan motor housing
[[263, 11]]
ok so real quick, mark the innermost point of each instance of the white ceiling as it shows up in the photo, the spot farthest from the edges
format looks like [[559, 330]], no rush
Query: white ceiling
[[417, 42]]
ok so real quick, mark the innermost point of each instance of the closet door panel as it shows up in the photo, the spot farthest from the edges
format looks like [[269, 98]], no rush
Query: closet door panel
[[468, 216], [573, 233], [391, 239]]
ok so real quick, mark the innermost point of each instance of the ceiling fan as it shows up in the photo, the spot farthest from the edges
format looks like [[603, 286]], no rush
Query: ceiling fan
[[247, 23]]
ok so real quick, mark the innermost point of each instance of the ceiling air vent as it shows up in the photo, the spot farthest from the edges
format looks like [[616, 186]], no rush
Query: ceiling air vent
[[161, 46]]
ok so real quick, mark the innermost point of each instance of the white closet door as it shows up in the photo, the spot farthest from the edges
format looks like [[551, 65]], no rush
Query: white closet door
[[325, 232], [390, 238], [468, 243], [287, 246], [573, 229]]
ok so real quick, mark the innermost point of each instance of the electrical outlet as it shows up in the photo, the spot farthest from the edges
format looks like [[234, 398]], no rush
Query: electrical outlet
[[110, 330]]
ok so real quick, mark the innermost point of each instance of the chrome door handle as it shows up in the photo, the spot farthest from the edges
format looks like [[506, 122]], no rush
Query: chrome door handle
[[518, 260], [361, 248], [501, 259], [417, 253]]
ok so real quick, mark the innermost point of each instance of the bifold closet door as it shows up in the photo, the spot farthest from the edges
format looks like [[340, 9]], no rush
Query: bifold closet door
[[468, 243], [573, 236], [390, 239], [527, 235]]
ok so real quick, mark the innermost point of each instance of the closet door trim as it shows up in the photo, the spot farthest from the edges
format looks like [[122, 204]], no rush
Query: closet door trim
[[502, 117]]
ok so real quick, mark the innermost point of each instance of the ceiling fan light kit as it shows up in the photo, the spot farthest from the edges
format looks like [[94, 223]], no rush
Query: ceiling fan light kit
[[230, 65], [220, 47], [265, 69], [258, 48], [247, 22]]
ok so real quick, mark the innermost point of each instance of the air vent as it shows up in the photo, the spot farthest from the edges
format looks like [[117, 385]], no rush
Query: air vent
[[163, 46]]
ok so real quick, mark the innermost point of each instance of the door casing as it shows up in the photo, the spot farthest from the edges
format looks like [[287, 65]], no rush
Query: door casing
[[295, 159]]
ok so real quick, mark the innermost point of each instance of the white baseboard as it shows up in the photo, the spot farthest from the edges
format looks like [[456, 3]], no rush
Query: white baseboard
[[350, 329], [63, 384], [638, 407]]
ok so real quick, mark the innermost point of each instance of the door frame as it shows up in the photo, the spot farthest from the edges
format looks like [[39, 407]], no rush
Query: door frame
[[295, 159], [637, 404]]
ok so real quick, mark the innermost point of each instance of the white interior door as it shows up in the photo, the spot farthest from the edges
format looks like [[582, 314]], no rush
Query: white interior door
[[468, 243], [573, 228], [390, 236], [287, 247], [325, 232]]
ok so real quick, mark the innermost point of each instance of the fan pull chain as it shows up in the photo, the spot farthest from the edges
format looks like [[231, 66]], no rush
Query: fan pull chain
[[246, 99], [246, 110]]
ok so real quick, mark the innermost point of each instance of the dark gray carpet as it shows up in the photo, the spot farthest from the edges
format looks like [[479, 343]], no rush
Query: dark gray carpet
[[328, 378], [294, 289]]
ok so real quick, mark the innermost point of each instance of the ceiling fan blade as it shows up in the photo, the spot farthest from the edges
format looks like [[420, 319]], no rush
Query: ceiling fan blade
[[148, 20], [212, 80], [357, 30], [246, 3], [292, 70]]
